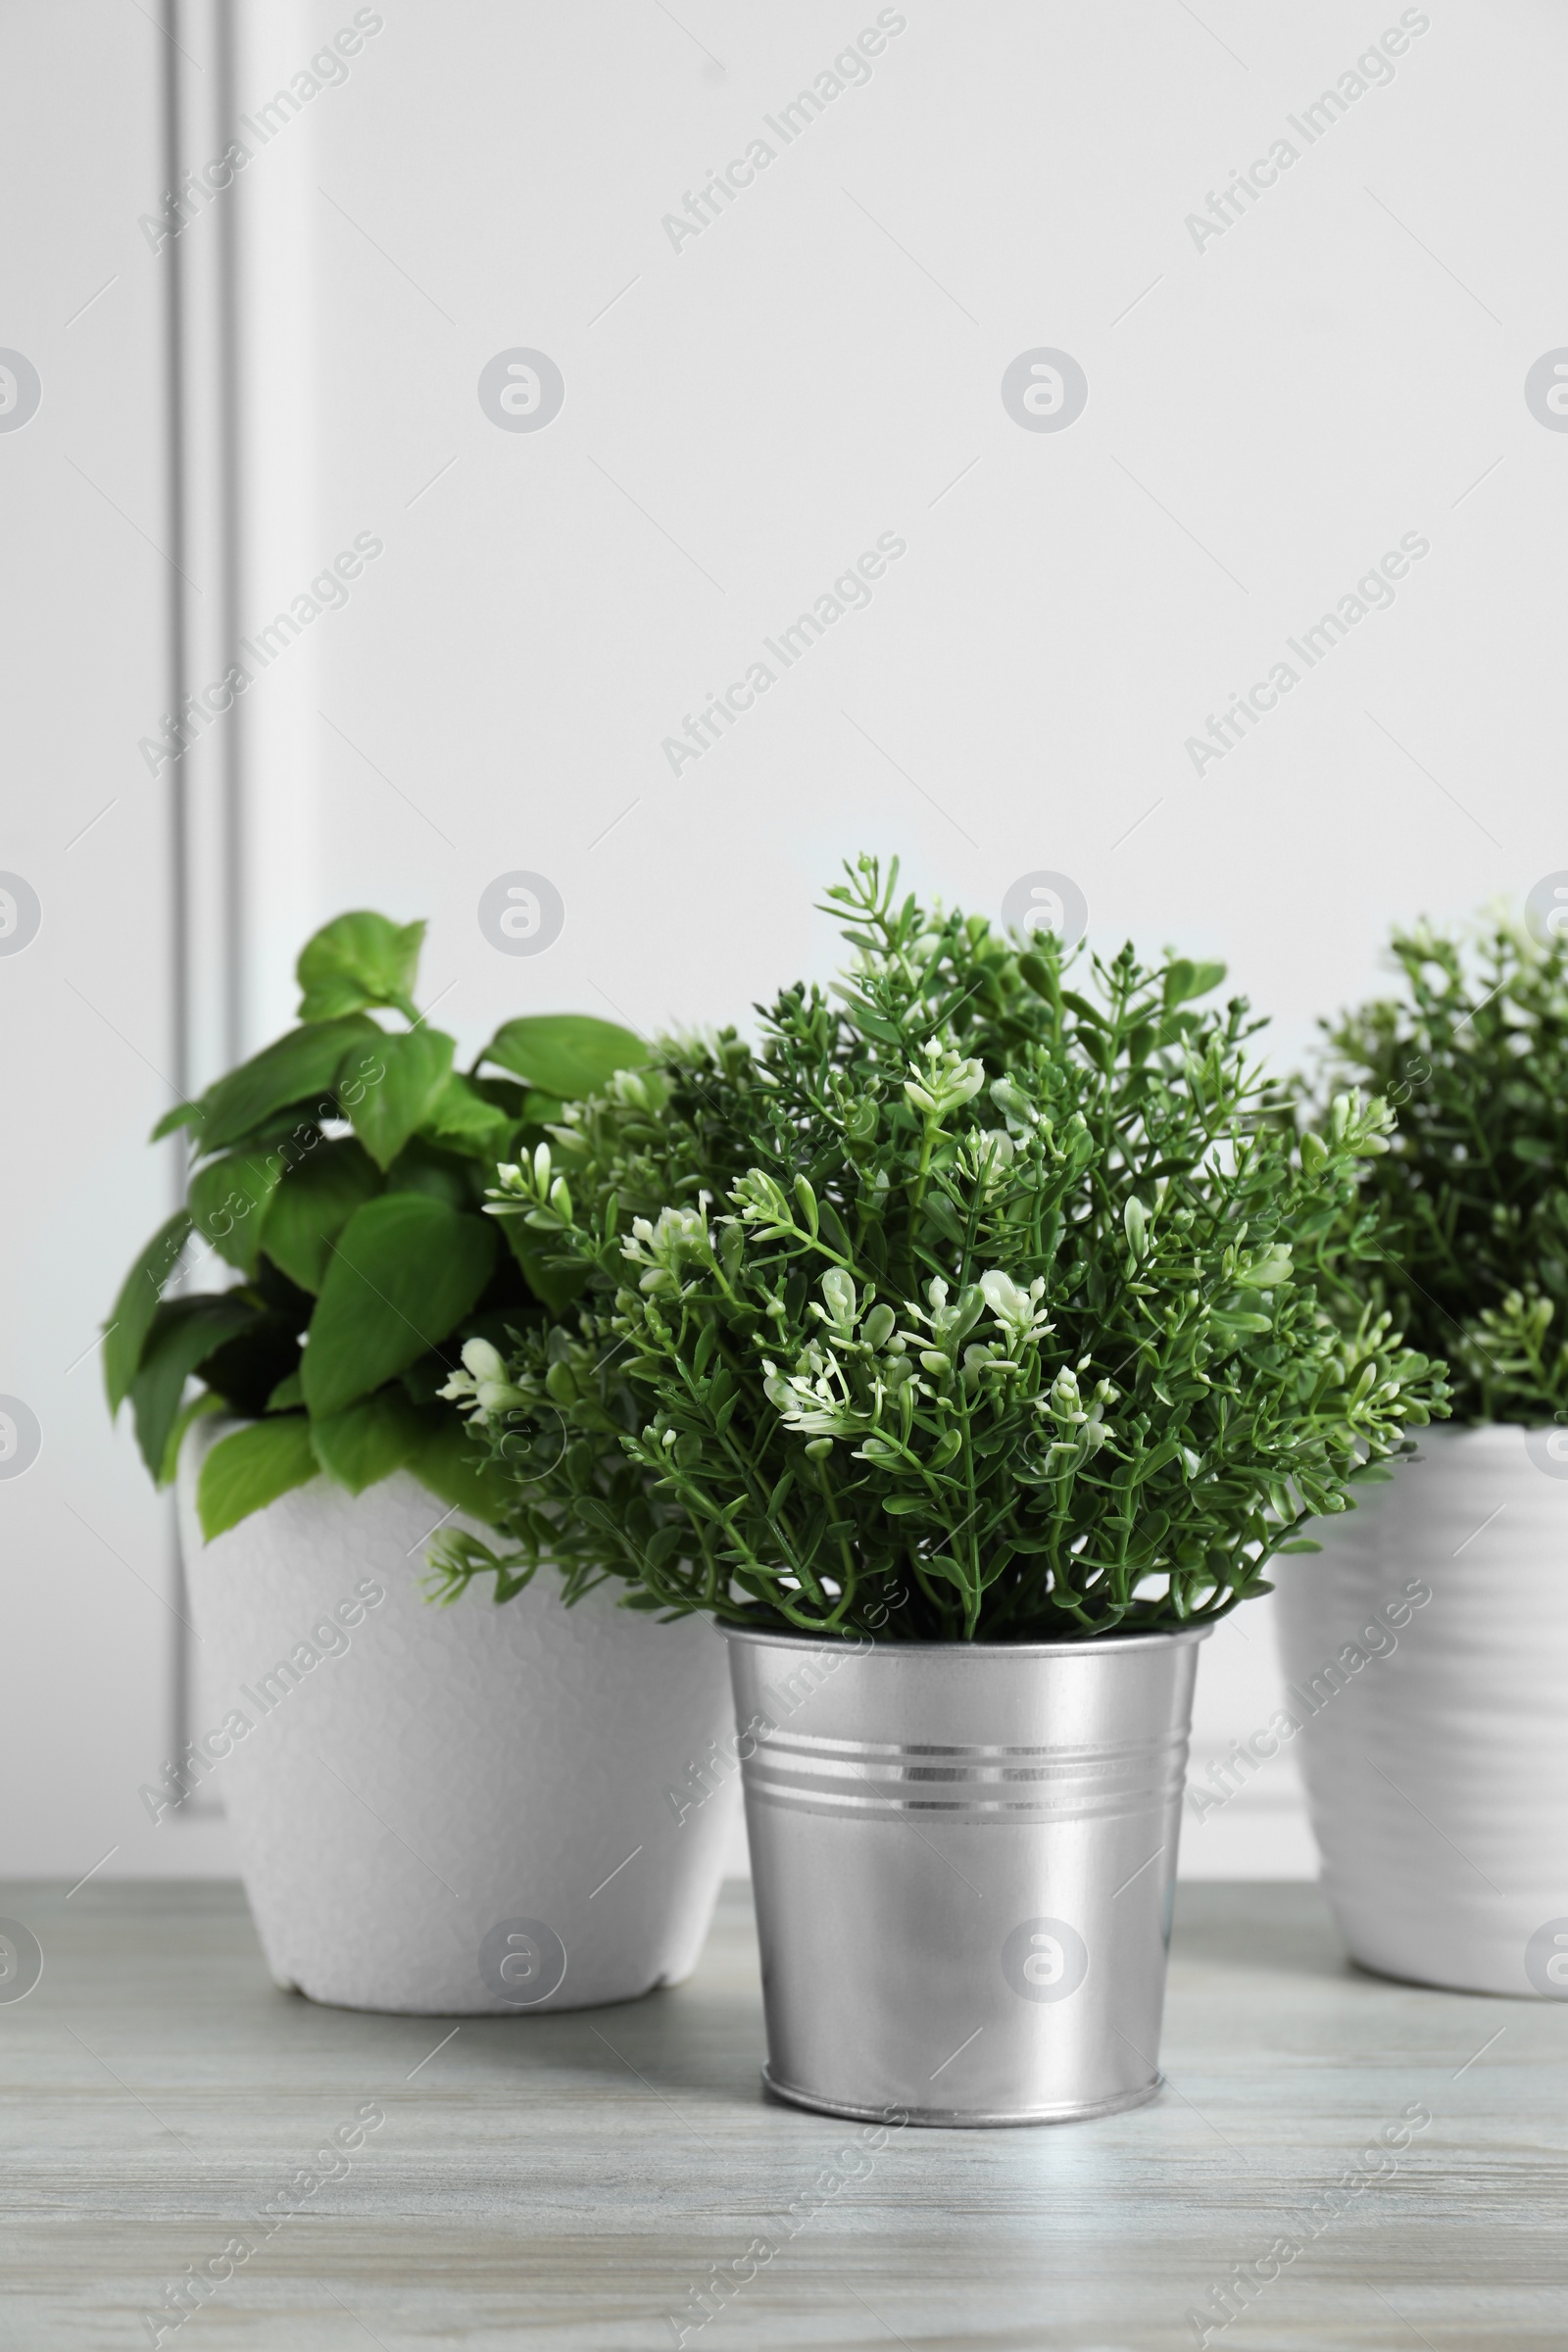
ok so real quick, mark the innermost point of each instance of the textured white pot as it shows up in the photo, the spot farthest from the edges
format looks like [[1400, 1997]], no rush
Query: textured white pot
[[1435, 1730], [450, 1809]]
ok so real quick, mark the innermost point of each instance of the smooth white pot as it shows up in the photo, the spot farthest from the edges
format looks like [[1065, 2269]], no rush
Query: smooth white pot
[[451, 1809], [1427, 1653]]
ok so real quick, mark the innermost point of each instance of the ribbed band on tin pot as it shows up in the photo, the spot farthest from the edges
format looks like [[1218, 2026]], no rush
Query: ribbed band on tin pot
[[963, 1857]]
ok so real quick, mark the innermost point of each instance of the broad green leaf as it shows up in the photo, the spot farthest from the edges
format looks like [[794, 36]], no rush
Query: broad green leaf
[[312, 1206], [184, 1333], [462, 1116], [564, 1054], [359, 959], [183, 1115], [509, 1095], [250, 1468], [137, 1303], [422, 1166], [554, 1285], [406, 1269], [209, 1401], [391, 1095], [228, 1200], [456, 1467], [294, 1067], [369, 1439]]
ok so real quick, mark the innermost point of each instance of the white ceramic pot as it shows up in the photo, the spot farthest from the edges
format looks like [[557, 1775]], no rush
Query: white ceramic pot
[[451, 1809], [1426, 1651]]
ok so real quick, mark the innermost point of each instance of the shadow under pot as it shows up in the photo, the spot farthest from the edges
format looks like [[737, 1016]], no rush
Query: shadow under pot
[[964, 1859], [448, 1810], [1426, 1654]]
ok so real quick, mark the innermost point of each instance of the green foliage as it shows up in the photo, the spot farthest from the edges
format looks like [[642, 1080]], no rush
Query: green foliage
[[971, 1305], [358, 961], [564, 1054], [400, 1092], [406, 1272], [363, 1257], [252, 1467], [1472, 1196], [133, 1310]]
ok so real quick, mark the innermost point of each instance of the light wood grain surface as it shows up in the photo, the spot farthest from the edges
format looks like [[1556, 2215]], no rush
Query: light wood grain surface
[[569, 2181]]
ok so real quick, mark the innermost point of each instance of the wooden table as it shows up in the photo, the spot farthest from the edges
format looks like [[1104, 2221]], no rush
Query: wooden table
[[572, 2180]]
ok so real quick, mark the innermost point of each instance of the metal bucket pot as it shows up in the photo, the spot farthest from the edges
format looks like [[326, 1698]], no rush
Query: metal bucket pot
[[963, 1857]]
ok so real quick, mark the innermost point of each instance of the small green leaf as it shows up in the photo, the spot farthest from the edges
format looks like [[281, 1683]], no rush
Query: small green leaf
[[899, 1506], [288, 1396], [368, 1440], [312, 1206], [466, 1118], [406, 1271], [185, 1332], [183, 1115], [556, 1287], [137, 1303], [250, 1468], [1184, 980], [228, 1199], [199, 1407], [294, 1067], [388, 1091], [564, 1054], [359, 959]]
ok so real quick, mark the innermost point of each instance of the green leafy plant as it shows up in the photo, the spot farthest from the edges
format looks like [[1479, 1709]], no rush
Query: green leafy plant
[[339, 1174], [1472, 1196], [969, 1305]]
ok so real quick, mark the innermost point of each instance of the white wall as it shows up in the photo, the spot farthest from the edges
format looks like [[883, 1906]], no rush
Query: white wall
[[1267, 415]]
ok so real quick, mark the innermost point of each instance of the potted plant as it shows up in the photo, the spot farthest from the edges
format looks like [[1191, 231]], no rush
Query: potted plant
[[1430, 1647], [423, 1824], [965, 1407]]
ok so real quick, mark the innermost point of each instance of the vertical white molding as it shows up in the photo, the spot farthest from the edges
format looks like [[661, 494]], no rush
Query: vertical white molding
[[278, 221], [239, 357], [204, 468]]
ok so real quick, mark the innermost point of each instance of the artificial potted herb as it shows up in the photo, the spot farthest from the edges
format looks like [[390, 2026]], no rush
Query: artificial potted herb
[[422, 1824], [965, 1407], [1431, 1644]]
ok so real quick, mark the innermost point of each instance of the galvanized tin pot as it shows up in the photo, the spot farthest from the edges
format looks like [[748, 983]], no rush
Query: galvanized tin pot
[[963, 1857]]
